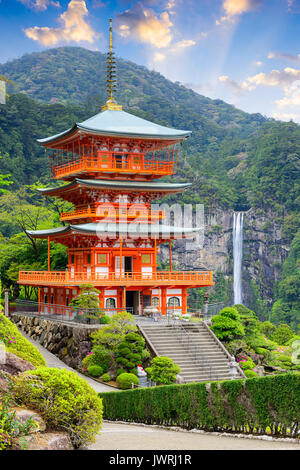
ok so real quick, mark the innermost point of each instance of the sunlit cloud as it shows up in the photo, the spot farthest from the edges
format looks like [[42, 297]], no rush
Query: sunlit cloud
[[286, 116], [234, 8], [284, 79], [142, 24], [259, 63], [159, 57], [39, 5], [74, 27]]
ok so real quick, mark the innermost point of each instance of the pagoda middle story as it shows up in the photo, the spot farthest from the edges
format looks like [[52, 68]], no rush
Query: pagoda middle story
[[111, 165]]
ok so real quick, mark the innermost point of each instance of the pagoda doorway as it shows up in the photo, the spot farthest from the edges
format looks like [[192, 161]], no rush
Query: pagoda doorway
[[132, 301]]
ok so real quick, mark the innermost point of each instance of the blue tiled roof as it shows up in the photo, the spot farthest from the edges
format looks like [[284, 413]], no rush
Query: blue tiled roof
[[120, 123]]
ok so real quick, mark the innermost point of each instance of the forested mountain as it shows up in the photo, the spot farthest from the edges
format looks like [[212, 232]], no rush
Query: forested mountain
[[236, 160]]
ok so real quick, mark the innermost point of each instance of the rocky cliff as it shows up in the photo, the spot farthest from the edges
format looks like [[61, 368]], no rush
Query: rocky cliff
[[264, 251]]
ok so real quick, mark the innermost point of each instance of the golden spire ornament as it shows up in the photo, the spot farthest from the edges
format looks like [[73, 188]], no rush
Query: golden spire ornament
[[111, 76]]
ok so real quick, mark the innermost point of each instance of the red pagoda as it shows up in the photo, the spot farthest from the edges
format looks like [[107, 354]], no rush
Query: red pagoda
[[111, 164]]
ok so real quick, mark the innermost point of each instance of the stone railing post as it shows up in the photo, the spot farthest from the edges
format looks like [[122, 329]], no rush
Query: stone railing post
[[6, 302]]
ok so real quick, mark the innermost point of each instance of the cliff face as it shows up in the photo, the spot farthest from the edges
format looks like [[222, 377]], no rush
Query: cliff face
[[263, 254]]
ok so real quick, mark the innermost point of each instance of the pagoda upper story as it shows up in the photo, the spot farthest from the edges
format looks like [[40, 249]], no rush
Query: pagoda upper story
[[114, 144]]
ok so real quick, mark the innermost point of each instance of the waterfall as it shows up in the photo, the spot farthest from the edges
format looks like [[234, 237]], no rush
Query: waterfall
[[237, 236]]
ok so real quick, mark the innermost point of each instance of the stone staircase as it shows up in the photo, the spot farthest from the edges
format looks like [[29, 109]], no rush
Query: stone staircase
[[193, 346]]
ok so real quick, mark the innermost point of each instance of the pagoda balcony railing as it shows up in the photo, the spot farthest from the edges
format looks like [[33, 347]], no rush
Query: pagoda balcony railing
[[108, 163], [190, 278], [113, 212]]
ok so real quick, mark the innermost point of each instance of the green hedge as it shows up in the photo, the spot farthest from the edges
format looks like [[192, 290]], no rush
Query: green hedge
[[258, 405]]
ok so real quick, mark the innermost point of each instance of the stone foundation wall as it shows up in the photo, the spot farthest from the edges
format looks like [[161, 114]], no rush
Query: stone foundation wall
[[69, 342]]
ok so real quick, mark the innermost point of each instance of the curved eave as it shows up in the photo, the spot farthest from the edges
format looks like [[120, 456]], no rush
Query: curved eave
[[117, 185], [97, 229]]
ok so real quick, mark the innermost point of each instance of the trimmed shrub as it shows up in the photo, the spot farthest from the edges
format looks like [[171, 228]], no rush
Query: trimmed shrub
[[104, 319], [227, 325], [162, 370], [106, 377], [16, 343], [110, 336], [129, 352], [121, 371], [267, 328], [283, 334], [65, 401], [250, 373], [257, 405], [245, 362], [125, 381], [99, 356], [95, 371]]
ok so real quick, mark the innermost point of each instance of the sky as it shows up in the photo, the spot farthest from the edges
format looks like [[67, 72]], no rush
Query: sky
[[245, 52]]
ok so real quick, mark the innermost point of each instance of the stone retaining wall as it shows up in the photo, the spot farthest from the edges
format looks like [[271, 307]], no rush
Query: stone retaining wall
[[68, 341]]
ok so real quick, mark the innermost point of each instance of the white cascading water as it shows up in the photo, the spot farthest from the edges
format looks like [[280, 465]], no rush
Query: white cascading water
[[237, 236]]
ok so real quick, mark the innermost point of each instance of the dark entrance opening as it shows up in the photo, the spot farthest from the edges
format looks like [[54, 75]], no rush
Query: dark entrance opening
[[132, 301], [128, 264]]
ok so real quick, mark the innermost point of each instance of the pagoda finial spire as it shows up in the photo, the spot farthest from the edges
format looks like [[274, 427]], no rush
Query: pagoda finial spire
[[111, 75]]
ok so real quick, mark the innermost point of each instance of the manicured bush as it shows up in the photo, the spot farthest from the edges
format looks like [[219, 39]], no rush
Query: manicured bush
[[245, 362], [95, 371], [267, 328], [250, 373], [129, 352], [106, 377], [162, 370], [99, 356], [65, 400], [16, 343], [104, 319], [110, 336], [286, 360], [257, 405], [125, 381], [227, 325], [121, 371], [283, 334]]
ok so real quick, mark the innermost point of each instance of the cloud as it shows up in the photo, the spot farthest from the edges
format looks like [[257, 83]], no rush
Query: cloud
[[73, 27], [284, 79], [235, 8], [143, 25], [284, 56], [285, 116], [159, 57], [259, 63], [40, 5]]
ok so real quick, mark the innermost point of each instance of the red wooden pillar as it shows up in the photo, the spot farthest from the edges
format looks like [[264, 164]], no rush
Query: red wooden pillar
[[39, 301], [48, 253], [163, 300], [170, 254], [184, 300]]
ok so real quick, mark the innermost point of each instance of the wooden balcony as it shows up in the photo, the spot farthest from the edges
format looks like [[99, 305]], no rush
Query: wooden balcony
[[158, 279], [106, 164], [115, 213]]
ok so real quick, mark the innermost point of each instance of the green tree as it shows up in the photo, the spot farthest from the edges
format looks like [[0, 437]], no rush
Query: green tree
[[111, 335], [227, 325]]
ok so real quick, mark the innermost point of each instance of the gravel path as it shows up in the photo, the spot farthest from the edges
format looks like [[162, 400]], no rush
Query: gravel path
[[115, 436]]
